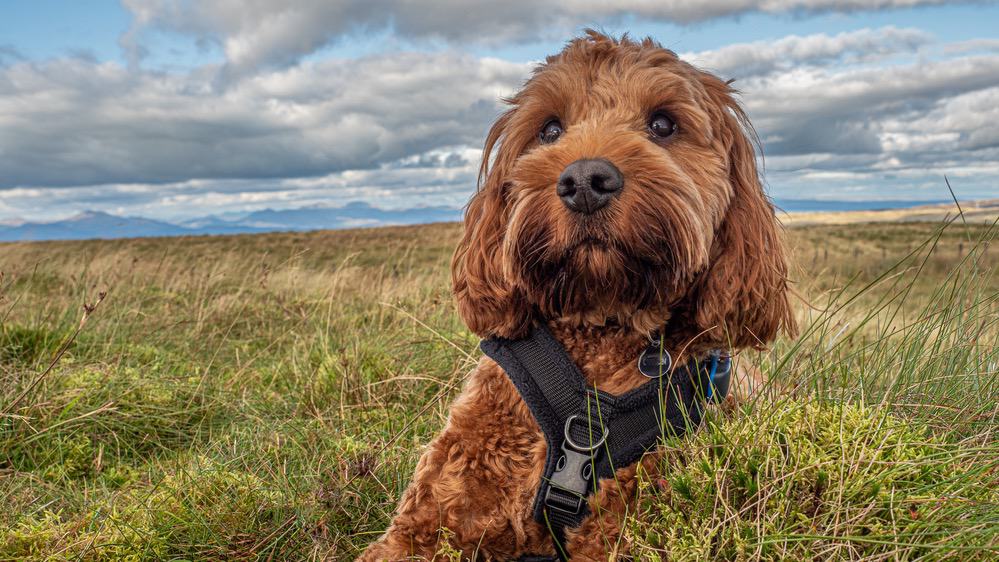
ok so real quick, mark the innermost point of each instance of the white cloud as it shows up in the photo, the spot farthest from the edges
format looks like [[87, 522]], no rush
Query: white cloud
[[252, 33], [760, 58], [919, 113]]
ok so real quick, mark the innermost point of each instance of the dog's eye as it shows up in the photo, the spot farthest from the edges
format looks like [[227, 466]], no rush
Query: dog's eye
[[661, 125], [550, 132]]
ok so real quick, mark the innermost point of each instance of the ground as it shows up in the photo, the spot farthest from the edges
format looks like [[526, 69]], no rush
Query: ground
[[266, 397]]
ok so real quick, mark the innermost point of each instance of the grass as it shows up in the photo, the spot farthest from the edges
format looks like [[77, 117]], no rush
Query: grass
[[267, 396]]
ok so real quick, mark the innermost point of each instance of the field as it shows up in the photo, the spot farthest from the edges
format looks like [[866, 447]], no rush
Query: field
[[266, 397]]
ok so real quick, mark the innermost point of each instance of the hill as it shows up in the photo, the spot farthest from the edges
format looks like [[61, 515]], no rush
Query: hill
[[98, 225]]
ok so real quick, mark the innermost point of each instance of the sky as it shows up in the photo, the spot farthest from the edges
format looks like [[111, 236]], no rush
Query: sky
[[174, 109]]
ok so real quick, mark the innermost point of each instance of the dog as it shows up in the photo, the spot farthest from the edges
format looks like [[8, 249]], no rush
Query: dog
[[622, 200]]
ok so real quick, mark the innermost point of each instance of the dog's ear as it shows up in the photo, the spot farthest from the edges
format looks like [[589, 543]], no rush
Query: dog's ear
[[741, 299], [488, 303]]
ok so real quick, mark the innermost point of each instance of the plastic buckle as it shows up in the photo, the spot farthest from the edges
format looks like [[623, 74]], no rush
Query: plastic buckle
[[568, 479], [573, 473]]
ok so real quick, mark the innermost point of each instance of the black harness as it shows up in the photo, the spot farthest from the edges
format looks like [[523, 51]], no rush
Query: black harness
[[591, 434]]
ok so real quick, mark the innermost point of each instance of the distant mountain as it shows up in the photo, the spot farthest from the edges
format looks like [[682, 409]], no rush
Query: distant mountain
[[217, 225], [352, 215], [94, 224], [90, 224]]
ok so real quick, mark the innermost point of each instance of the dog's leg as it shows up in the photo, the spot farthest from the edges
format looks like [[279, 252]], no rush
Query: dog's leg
[[475, 480], [415, 531]]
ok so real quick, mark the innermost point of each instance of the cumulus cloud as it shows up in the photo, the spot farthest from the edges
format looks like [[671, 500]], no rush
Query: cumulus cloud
[[76, 122], [760, 58], [863, 110], [276, 32]]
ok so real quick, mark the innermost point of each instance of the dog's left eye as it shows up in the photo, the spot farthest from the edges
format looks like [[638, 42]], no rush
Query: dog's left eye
[[550, 132], [661, 125]]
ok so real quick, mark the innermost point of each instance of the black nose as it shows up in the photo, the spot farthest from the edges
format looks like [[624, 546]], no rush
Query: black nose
[[588, 185]]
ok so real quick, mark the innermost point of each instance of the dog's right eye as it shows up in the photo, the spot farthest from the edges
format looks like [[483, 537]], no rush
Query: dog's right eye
[[550, 132], [661, 125]]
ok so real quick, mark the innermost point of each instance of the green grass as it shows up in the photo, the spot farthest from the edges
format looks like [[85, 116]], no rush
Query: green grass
[[267, 396]]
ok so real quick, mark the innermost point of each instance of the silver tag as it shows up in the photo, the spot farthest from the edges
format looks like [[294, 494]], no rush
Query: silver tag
[[654, 362]]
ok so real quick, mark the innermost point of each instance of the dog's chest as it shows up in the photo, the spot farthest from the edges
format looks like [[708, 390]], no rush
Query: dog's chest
[[513, 447]]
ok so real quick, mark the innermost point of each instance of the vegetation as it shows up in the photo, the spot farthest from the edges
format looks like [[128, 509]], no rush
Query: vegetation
[[267, 396]]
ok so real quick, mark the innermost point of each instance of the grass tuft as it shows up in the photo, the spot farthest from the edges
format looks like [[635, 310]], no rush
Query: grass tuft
[[802, 480]]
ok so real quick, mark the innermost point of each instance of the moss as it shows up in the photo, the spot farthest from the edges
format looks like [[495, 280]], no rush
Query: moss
[[203, 511], [793, 479], [74, 458]]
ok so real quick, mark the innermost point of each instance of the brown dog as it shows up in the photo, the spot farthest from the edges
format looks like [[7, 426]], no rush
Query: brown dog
[[623, 200]]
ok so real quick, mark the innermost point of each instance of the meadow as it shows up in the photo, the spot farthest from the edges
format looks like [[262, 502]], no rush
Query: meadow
[[265, 397]]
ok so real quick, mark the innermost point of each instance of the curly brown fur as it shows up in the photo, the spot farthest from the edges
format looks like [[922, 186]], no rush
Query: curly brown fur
[[690, 247]]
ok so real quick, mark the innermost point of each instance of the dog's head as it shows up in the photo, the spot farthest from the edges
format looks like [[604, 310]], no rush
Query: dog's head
[[623, 189]]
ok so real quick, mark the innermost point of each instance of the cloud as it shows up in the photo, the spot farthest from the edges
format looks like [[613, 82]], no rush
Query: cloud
[[889, 108], [276, 32], [439, 177], [972, 45], [891, 128], [861, 110], [76, 122], [761, 58]]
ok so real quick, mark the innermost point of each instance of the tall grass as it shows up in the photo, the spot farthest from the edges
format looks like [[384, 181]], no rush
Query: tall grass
[[266, 397], [875, 438]]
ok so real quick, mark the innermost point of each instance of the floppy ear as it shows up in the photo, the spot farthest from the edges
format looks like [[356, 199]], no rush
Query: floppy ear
[[488, 303], [741, 299]]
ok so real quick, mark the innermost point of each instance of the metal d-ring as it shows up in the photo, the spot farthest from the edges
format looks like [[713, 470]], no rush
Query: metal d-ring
[[568, 438]]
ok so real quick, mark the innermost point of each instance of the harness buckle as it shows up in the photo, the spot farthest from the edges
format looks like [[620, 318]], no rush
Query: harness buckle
[[570, 483]]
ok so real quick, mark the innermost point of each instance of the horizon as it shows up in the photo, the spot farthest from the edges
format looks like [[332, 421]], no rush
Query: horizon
[[95, 224], [172, 111], [801, 205]]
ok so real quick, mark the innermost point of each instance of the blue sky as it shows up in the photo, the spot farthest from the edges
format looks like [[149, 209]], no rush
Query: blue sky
[[174, 109]]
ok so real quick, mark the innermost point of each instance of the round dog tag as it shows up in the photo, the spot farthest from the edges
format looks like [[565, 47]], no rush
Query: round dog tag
[[654, 362]]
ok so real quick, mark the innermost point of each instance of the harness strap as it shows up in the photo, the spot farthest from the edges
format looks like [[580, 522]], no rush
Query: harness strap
[[590, 434]]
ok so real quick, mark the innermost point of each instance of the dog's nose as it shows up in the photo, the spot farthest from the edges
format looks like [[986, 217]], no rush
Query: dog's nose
[[588, 185]]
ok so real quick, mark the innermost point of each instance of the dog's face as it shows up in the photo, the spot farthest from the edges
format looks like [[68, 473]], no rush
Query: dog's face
[[623, 190]]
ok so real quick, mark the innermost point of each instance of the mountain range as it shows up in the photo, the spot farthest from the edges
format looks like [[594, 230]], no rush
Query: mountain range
[[96, 224]]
